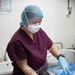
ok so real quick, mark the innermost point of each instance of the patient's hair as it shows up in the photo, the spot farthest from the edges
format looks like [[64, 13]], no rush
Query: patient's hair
[[44, 73]]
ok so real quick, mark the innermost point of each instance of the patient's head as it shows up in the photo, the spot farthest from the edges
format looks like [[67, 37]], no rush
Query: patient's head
[[44, 73]]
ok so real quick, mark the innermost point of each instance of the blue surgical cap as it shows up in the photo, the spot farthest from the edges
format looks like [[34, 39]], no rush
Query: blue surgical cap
[[31, 12]]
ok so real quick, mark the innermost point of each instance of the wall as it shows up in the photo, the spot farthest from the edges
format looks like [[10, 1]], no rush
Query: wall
[[55, 23], [64, 26]]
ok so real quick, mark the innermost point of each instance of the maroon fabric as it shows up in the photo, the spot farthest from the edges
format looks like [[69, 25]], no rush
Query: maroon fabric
[[21, 47]]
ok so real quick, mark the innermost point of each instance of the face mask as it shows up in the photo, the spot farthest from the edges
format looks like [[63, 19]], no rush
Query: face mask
[[33, 28]]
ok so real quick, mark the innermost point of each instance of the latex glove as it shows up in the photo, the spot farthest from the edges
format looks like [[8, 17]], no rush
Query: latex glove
[[64, 64]]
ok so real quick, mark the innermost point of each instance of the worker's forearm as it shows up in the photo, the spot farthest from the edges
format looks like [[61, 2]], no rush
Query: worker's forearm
[[54, 51], [28, 71]]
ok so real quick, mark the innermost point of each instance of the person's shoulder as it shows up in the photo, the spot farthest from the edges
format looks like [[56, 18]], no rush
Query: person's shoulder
[[41, 31], [15, 36]]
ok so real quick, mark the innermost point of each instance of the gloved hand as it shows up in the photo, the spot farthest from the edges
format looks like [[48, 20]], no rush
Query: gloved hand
[[64, 64]]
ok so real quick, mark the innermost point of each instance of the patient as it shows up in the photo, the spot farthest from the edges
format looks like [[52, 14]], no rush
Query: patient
[[44, 73]]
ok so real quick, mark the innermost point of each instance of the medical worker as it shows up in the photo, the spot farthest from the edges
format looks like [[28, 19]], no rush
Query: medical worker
[[28, 46]]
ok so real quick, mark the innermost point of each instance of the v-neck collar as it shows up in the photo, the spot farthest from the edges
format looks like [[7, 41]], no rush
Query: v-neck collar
[[28, 37]]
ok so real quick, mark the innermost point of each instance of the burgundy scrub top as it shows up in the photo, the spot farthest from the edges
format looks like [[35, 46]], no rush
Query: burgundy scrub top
[[21, 47]]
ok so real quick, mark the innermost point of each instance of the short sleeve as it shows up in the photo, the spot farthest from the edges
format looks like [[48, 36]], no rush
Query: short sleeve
[[49, 42], [16, 51], [47, 39]]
